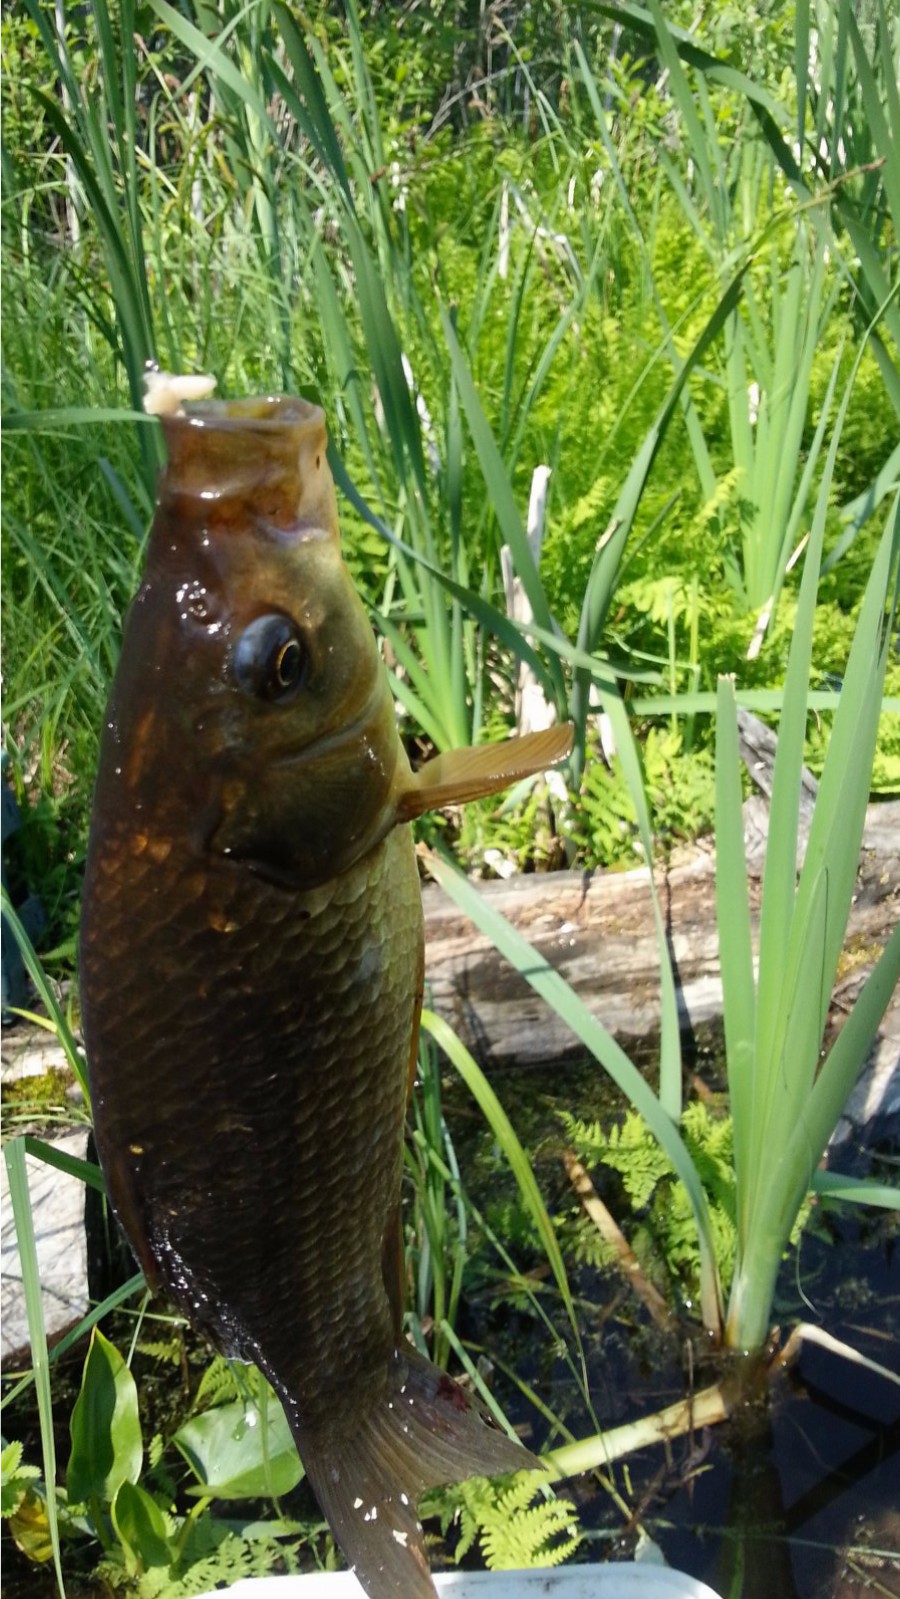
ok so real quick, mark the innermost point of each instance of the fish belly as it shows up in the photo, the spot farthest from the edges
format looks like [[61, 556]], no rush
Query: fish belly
[[249, 1052]]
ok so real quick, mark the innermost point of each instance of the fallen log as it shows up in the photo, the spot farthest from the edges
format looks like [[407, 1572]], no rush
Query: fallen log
[[597, 930]]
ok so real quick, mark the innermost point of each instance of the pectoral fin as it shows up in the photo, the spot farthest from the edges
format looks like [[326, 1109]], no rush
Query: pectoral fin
[[467, 774]]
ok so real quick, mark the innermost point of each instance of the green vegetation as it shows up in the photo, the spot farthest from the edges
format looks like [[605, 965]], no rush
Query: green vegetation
[[656, 254]]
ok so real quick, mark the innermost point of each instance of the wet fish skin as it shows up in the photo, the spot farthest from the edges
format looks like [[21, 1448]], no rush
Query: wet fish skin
[[251, 972]]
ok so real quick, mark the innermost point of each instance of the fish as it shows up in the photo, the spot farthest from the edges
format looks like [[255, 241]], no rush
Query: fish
[[252, 966]]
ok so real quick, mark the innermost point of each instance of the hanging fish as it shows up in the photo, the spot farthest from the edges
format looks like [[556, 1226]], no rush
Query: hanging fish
[[252, 966]]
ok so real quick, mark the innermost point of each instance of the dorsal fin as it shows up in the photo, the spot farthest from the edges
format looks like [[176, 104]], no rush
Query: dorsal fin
[[467, 774]]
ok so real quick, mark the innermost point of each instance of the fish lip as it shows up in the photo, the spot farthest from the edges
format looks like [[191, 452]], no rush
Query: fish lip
[[264, 413]]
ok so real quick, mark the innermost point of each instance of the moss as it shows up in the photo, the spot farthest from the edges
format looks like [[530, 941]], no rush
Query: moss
[[33, 1095]]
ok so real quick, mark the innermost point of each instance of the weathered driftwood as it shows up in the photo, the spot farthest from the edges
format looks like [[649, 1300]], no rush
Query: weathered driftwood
[[598, 931]]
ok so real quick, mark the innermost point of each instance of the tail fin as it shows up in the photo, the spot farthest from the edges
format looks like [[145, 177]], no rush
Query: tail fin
[[426, 1431]]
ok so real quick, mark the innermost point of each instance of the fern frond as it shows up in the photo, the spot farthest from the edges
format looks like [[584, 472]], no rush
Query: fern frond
[[513, 1532], [218, 1385], [167, 1349]]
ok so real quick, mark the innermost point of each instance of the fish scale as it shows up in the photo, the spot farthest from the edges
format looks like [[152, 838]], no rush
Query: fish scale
[[335, 1088], [251, 967]]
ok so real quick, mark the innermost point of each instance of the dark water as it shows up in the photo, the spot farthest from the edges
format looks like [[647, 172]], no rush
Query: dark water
[[797, 1495]]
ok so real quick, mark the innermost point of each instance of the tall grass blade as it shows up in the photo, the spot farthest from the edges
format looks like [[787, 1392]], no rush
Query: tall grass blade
[[119, 1296], [516, 1158], [856, 1190], [14, 1153], [548, 983], [604, 573], [779, 877], [670, 1063], [47, 995], [733, 921], [497, 484], [85, 1170], [797, 1098]]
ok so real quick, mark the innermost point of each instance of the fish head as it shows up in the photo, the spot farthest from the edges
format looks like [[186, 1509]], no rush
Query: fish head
[[251, 709]]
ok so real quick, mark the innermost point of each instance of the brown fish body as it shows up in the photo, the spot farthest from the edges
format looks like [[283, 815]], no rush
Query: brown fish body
[[251, 968], [252, 1128]]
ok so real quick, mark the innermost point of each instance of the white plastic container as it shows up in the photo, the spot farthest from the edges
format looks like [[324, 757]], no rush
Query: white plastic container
[[644, 1581]]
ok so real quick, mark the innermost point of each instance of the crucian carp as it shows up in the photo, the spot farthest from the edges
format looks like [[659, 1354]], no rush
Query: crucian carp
[[252, 966]]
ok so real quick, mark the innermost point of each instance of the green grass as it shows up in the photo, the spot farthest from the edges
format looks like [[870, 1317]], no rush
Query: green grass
[[267, 243]]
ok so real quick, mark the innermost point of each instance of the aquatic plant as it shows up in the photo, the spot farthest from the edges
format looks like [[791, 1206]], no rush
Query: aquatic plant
[[119, 1491], [785, 1098]]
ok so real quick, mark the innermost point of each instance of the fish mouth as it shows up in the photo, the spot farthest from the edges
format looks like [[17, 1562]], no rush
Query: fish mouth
[[263, 413], [266, 455]]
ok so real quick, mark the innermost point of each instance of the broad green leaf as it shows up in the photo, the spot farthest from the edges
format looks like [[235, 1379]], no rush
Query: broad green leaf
[[141, 1528], [241, 1451], [107, 1449]]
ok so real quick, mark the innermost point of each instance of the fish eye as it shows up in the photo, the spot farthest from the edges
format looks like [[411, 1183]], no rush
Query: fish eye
[[270, 658]]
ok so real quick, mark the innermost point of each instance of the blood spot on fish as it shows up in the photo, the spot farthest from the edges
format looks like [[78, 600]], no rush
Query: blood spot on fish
[[452, 1394]]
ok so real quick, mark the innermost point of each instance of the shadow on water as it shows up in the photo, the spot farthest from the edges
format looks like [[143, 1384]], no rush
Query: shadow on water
[[796, 1496]]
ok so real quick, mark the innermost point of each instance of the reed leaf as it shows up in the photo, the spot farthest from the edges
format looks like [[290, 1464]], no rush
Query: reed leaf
[[14, 1154], [733, 918], [516, 1158], [557, 992], [793, 1100], [46, 993]]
